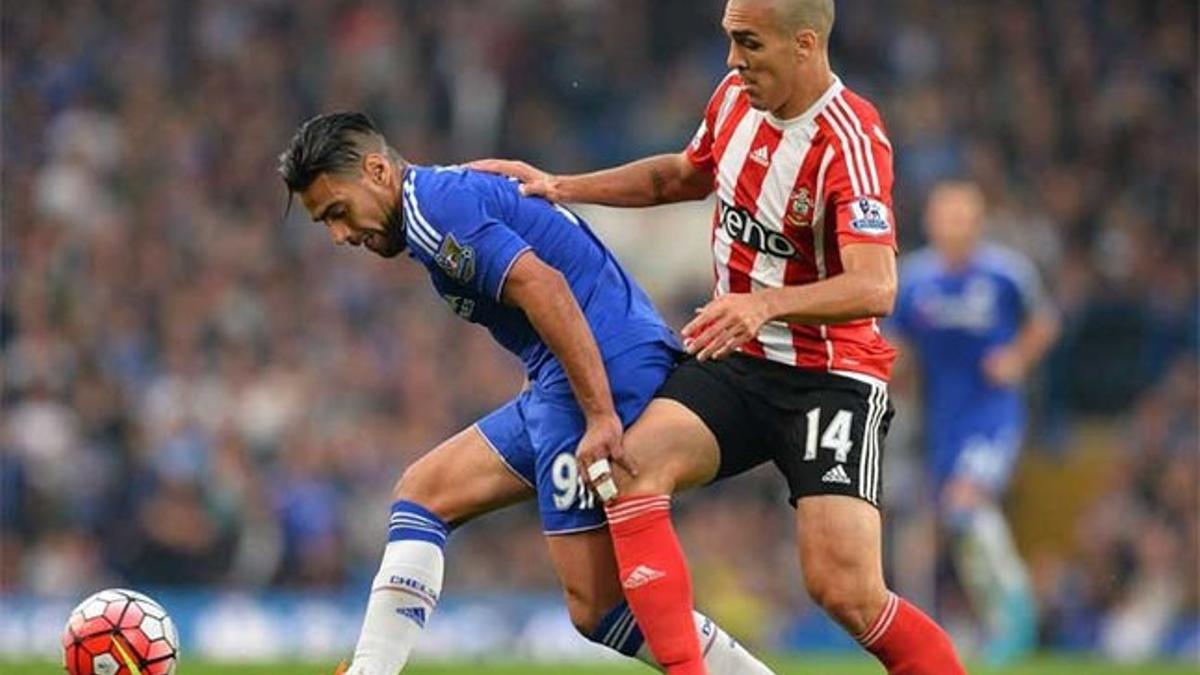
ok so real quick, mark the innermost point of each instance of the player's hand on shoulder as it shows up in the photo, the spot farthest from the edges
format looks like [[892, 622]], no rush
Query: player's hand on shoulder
[[534, 181], [725, 324], [600, 447]]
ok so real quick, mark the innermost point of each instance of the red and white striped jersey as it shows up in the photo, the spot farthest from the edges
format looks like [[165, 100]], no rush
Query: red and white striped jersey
[[791, 193]]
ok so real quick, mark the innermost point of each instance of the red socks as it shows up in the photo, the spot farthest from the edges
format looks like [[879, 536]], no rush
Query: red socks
[[658, 588], [656, 580], [908, 642]]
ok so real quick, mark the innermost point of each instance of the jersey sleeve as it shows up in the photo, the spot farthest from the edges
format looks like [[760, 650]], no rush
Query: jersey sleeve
[[700, 151], [859, 182], [1030, 291], [470, 245]]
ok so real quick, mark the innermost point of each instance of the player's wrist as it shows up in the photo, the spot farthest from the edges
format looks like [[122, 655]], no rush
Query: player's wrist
[[600, 417], [1021, 366], [555, 191], [1015, 356], [770, 302]]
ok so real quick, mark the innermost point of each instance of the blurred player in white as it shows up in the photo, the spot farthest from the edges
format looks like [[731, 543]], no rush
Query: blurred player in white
[[790, 366], [977, 320]]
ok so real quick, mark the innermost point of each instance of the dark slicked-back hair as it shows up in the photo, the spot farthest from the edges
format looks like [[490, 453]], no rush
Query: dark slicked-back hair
[[332, 143]]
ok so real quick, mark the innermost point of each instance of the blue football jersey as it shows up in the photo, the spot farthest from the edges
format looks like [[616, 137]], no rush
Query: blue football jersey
[[468, 228], [952, 319]]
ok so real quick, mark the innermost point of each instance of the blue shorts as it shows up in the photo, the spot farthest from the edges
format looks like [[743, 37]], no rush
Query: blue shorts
[[536, 434], [985, 455]]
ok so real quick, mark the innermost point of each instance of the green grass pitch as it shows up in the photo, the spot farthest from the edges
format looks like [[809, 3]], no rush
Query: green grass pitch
[[796, 666]]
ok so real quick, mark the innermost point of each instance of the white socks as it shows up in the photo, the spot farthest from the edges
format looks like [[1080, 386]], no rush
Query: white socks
[[404, 593], [988, 562], [723, 655]]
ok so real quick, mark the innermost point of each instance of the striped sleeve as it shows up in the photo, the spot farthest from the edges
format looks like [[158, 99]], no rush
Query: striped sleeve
[[859, 180], [700, 151], [468, 244]]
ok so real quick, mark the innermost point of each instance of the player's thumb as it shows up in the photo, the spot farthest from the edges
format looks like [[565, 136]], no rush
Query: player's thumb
[[535, 188]]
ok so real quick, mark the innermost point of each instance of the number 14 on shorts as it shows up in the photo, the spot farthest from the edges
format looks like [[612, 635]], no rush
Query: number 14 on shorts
[[836, 436]]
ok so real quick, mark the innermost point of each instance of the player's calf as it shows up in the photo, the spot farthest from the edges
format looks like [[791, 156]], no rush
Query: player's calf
[[459, 479], [840, 554], [901, 636], [839, 538]]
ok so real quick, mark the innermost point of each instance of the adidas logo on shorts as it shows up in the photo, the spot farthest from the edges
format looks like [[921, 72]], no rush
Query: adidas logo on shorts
[[836, 475], [642, 575]]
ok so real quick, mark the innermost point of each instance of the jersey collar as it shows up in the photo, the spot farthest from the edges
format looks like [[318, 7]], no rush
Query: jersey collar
[[807, 116]]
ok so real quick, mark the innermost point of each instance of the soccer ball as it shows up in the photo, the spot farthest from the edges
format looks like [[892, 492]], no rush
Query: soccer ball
[[120, 632]]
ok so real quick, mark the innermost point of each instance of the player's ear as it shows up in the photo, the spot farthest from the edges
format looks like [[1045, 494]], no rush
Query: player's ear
[[804, 43], [377, 168]]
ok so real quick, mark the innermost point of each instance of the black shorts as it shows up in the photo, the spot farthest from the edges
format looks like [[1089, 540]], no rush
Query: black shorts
[[824, 431]]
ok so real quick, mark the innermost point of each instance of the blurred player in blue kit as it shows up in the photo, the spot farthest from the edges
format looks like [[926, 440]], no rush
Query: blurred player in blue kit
[[594, 349], [977, 318]]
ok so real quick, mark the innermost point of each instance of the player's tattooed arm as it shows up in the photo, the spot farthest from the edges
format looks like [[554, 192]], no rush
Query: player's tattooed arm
[[660, 179], [659, 184]]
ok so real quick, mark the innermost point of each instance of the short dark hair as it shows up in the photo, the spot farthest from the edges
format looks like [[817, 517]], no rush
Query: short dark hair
[[330, 143]]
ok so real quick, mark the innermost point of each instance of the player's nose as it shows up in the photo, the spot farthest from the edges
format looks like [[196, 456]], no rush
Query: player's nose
[[340, 235], [734, 59]]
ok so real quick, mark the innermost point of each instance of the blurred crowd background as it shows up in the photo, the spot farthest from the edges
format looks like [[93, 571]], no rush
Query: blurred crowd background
[[198, 391]]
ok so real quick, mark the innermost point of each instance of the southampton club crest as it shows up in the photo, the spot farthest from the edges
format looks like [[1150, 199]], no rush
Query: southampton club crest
[[456, 260], [800, 207]]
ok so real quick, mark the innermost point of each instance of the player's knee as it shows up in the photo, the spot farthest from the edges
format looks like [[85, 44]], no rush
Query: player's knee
[[653, 478], [962, 500], [412, 484], [647, 482], [963, 494], [419, 483], [849, 597]]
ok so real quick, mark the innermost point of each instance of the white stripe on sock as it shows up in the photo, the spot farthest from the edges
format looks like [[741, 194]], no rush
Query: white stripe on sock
[[882, 623]]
